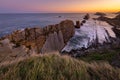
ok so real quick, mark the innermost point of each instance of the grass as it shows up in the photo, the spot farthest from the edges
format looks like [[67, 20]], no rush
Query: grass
[[56, 67], [104, 55]]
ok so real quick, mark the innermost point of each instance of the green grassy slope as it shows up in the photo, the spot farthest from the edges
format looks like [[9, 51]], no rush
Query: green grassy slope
[[56, 67]]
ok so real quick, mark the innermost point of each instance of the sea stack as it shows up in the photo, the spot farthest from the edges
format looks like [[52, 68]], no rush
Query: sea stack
[[77, 24], [87, 16]]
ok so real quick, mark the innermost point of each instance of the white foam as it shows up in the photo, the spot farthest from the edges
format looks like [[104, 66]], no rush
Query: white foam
[[88, 33]]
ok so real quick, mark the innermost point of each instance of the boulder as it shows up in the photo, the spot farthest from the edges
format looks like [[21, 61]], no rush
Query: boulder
[[87, 16], [77, 24]]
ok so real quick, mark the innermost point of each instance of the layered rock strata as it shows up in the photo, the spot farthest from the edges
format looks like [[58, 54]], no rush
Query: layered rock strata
[[22, 44]]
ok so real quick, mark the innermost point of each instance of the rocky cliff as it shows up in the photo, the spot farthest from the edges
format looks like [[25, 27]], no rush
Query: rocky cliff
[[49, 38], [31, 41]]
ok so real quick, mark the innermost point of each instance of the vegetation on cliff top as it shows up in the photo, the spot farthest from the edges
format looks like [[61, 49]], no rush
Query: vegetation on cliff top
[[56, 67]]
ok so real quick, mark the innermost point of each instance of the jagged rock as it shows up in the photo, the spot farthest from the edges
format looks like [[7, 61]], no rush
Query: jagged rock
[[60, 35], [54, 42], [44, 38], [84, 21], [22, 44]]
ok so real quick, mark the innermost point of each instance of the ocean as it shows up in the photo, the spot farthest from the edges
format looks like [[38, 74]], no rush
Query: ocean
[[83, 37], [11, 22]]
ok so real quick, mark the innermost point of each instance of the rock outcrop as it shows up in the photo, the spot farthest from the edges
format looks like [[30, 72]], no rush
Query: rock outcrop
[[59, 35], [22, 44], [8, 53], [93, 35], [77, 24], [117, 12], [87, 16], [100, 14], [49, 38], [114, 22]]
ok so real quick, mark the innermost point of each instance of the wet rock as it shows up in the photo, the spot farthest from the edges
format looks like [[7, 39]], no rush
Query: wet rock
[[114, 22], [87, 16], [59, 16], [83, 22], [77, 24]]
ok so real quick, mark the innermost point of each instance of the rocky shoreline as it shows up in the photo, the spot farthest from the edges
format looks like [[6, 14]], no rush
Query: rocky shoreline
[[35, 41], [96, 47]]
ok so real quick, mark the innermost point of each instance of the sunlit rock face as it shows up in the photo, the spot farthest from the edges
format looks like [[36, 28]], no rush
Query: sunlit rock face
[[47, 39], [91, 33]]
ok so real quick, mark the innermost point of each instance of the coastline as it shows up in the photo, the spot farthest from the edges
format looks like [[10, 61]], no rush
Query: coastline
[[32, 41]]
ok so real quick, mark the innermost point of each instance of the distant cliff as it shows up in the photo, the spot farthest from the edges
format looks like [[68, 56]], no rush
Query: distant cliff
[[114, 22]]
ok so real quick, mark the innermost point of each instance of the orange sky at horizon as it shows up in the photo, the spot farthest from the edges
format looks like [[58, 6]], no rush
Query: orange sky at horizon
[[73, 6], [90, 6]]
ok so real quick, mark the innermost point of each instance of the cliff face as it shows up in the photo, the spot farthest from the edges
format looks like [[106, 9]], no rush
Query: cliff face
[[49, 38], [54, 42], [58, 35]]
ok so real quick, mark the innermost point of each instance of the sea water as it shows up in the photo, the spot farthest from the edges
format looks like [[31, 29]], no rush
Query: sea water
[[82, 38], [11, 22]]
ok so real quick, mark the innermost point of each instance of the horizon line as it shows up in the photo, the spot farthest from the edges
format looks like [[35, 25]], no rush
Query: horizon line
[[48, 12]]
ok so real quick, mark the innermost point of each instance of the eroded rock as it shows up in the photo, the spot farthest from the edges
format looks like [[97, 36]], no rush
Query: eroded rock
[[51, 37]]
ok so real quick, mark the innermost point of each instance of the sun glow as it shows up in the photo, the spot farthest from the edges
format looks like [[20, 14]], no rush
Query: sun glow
[[60, 6]]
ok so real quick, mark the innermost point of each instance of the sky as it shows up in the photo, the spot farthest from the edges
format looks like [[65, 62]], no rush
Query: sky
[[58, 6]]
